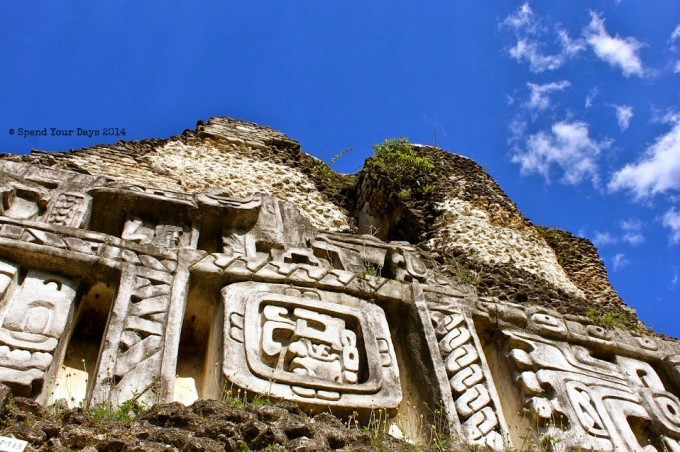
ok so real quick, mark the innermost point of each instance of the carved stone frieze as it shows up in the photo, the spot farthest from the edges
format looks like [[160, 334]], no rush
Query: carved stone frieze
[[590, 403], [210, 293], [35, 315], [475, 397], [317, 348], [70, 209]]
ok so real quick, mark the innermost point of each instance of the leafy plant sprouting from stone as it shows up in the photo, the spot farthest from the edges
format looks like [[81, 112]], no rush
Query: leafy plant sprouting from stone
[[411, 175], [369, 269], [126, 411], [239, 398]]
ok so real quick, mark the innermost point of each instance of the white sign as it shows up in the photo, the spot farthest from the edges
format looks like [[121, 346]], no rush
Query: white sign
[[12, 444]]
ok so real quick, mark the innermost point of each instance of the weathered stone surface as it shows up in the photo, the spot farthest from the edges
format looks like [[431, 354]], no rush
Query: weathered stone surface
[[216, 266]]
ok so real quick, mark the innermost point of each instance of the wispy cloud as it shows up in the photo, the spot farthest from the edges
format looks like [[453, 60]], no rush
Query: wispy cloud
[[527, 50], [619, 261], [601, 239], [522, 19], [531, 35], [592, 94], [632, 231], [567, 145], [676, 33], [675, 36], [624, 113], [658, 171], [617, 51], [671, 220], [539, 98], [570, 46]]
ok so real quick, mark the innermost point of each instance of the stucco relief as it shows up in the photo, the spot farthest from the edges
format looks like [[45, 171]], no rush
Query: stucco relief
[[310, 316], [589, 403], [474, 395], [318, 348], [34, 319]]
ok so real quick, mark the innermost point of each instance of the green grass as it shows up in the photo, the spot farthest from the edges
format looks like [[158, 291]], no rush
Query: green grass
[[126, 411]]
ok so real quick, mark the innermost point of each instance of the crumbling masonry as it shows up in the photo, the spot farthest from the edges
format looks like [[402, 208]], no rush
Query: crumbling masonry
[[215, 261]]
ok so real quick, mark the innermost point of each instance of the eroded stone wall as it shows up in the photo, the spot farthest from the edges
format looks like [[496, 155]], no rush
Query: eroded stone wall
[[194, 294], [237, 157]]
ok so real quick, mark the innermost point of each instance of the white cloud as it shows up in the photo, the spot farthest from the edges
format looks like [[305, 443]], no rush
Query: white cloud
[[527, 50], [569, 146], [601, 239], [522, 18], [677, 67], [671, 220], [676, 33], [632, 234], [632, 231], [539, 99], [620, 261], [624, 113], [591, 96], [658, 171], [617, 51], [570, 47]]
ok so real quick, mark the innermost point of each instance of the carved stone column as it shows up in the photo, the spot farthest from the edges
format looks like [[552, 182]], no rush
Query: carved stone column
[[139, 330]]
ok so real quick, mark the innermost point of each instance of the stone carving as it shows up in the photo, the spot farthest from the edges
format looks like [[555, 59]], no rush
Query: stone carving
[[34, 320], [309, 316], [475, 399], [70, 209], [22, 199], [405, 265], [587, 403], [263, 223], [315, 347], [131, 363], [144, 232]]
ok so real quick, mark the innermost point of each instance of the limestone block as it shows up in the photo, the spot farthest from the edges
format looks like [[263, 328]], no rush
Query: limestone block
[[22, 199], [38, 313], [317, 348]]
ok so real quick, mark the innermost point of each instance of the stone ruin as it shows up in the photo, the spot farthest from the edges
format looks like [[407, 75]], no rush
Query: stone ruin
[[183, 269]]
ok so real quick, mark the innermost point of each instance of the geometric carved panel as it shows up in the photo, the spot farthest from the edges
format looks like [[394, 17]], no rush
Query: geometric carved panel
[[617, 405], [314, 347]]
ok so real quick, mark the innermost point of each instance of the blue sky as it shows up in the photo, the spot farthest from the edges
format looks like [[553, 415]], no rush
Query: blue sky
[[573, 107]]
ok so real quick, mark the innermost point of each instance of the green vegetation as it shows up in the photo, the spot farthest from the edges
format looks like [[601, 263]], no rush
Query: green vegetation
[[240, 398], [369, 270], [411, 174], [398, 159], [614, 319], [463, 274], [126, 411]]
